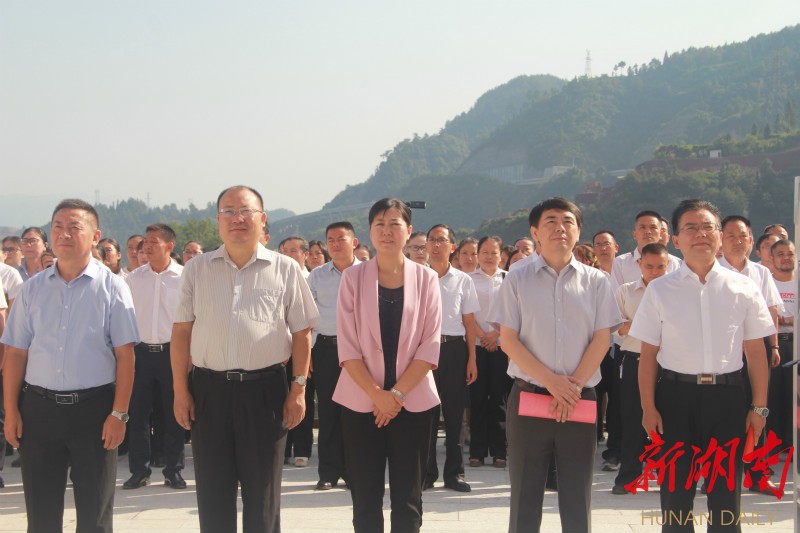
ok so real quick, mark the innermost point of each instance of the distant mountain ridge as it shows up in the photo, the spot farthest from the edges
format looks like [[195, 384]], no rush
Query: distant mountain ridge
[[540, 126]]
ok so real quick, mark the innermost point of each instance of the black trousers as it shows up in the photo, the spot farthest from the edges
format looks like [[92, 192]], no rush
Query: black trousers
[[779, 399], [2, 425], [451, 382], [403, 444], [611, 384], [533, 441], [56, 437], [153, 371], [301, 438], [487, 397], [329, 441], [693, 414], [238, 439], [632, 433]]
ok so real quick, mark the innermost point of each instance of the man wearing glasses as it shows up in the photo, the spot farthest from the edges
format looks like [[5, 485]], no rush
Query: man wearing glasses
[[12, 248], [694, 323], [243, 311]]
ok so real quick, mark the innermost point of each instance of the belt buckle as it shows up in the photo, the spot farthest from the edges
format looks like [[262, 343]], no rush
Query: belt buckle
[[706, 379], [234, 376], [67, 399], [155, 348]]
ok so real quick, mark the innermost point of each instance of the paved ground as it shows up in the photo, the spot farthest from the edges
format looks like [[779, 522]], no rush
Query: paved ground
[[485, 509]]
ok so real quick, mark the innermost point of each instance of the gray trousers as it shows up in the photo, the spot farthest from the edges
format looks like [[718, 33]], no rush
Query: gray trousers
[[532, 441]]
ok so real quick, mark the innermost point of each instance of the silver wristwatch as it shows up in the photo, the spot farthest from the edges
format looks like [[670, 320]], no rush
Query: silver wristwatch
[[300, 380], [123, 417], [760, 411]]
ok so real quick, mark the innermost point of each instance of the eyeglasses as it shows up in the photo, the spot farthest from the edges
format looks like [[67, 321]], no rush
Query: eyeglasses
[[440, 240], [245, 212], [692, 229], [11, 250], [31, 241], [417, 248]]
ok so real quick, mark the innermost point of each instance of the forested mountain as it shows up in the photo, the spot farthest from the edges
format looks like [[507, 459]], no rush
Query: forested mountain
[[733, 97], [443, 153]]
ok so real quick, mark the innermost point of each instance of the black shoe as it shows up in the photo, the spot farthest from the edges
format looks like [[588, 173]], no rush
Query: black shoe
[[458, 485], [2, 483], [324, 485], [755, 487], [174, 480], [136, 481], [427, 484], [619, 490]]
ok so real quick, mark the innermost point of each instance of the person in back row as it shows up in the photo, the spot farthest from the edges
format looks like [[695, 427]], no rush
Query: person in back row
[[457, 368]]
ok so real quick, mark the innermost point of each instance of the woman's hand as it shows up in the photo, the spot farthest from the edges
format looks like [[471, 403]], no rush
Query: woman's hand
[[387, 406]]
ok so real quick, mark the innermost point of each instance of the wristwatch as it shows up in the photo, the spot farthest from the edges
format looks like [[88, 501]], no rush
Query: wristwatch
[[300, 380], [123, 417], [760, 411]]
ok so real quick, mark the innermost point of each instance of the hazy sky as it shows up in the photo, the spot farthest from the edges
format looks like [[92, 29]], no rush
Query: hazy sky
[[180, 99]]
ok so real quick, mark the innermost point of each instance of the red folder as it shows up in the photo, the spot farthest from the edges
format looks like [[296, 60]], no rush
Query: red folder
[[538, 406]]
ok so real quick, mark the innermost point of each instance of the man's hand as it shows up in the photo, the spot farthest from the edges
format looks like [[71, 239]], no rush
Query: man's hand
[[562, 411], [775, 360], [113, 432], [757, 422], [472, 371], [183, 406], [625, 327], [13, 427], [651, 421], [294, 408], [562, 389]]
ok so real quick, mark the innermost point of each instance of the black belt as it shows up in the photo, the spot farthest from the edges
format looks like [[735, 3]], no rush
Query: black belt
[[326, 338], [153, 347], [530, 387], [67, 397], [452, 338], [239, 375], [731, 378], [785, 336]]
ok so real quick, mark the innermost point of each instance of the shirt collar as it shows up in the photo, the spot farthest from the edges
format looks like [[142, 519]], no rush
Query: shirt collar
[[173, 267], [261, 253], [684, 271], [331, 268], [92, 270], [540, 263]]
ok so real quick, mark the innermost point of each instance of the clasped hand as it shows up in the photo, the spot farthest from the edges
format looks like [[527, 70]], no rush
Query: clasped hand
[[387, 406], [566, 394]]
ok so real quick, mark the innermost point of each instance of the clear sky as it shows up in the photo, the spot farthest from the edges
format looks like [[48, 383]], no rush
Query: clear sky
[[179, 99]]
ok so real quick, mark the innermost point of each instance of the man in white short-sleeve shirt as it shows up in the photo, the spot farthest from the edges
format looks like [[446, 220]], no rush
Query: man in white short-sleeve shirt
[[695, 322]]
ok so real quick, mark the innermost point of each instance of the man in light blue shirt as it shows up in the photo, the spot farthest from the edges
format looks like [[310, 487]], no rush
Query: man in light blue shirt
[[324, 284], [69, 348]]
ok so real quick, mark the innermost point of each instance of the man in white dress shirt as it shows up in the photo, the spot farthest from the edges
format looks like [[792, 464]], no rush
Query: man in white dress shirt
[[154, 287], [784, 264], [324, 284], [695, 322]]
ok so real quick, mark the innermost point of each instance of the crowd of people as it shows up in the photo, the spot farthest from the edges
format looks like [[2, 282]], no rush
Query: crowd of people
[[531, 354]]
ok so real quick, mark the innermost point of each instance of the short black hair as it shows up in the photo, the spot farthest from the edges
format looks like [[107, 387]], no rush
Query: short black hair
[[655, 248], [238, 187], [198, 243], [602, 231], [736, 218], [384, 204], [450, 233], [764, 238], [343, 224], [73, 203], [12, 238], [647, 213], [303, 241], [167, 233], [780, 242], [766, 230], [137, 236], [558, 203], [693, 204]]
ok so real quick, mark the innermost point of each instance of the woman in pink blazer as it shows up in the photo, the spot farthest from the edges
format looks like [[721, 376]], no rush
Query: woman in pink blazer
[[388, 326]]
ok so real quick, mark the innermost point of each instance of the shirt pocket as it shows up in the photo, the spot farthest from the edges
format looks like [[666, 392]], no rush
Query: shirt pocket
[[264, 305]]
